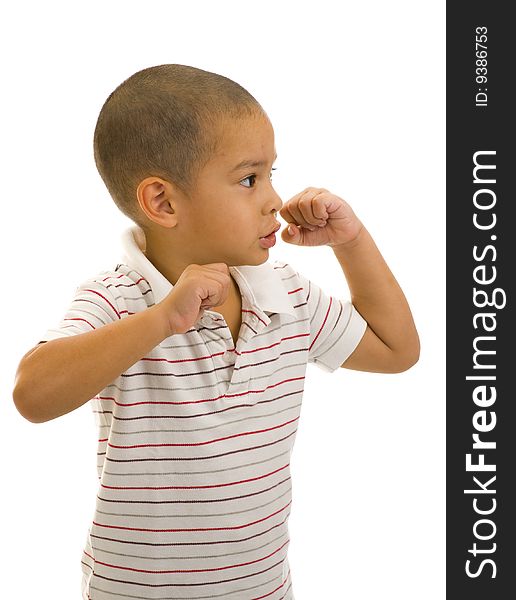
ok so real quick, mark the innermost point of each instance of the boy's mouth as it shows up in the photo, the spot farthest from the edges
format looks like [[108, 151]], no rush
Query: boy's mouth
[[273, 230], [268, 241]]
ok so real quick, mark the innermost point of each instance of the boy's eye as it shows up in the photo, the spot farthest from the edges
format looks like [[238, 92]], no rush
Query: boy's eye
[[253, 177], [250, 177]]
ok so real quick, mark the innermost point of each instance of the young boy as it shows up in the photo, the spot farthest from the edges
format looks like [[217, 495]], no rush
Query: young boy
[[193, 349]]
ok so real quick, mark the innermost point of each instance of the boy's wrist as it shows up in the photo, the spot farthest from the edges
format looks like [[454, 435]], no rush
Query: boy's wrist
[[350, 244], [160, 318]]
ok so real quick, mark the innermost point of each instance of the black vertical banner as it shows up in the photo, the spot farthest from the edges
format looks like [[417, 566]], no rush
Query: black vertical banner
[[480, 319]]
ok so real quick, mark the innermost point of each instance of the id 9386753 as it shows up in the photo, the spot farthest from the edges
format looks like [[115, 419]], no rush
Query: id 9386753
[[481, 66]]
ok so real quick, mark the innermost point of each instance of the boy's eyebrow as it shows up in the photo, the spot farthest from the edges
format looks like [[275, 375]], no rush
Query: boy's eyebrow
[[250, 163]]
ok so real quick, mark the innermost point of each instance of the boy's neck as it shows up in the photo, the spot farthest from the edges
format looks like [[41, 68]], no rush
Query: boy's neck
[[168, 263], [171, 265]]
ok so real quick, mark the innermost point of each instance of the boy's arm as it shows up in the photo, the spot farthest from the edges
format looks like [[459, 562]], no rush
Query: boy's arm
[[62, 374], [390, 343]]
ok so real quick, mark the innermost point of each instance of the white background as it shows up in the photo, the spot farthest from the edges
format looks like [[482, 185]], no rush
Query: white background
[[355, 91]]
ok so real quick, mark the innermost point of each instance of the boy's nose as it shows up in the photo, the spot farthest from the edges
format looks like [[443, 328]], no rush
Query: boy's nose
[[278, 203], [273, 203]]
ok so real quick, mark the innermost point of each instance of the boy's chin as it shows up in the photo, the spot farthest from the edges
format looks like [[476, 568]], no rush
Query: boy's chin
[[258, 261], [252, 261]]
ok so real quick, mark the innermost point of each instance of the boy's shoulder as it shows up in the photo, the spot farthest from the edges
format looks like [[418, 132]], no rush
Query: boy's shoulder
[[121, 283]]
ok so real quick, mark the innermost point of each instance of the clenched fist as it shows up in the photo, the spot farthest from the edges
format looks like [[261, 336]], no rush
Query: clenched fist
[[199, 287]]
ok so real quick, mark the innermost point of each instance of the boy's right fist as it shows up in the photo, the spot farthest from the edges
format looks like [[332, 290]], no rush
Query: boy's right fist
[[198, 287]]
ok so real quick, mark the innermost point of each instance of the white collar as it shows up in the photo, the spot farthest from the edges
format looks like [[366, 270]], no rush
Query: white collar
[[263, 283]]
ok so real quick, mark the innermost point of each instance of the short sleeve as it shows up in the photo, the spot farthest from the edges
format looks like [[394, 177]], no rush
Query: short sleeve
[[336, 327], [92, 306]]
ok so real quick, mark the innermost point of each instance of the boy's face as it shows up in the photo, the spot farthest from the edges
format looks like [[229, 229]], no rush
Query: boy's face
[[233, 206]]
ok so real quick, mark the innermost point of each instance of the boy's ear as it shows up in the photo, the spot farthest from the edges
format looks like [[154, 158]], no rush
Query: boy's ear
[[157, 199]]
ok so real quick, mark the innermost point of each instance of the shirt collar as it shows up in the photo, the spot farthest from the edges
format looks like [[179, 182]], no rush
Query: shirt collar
[[263, 282]]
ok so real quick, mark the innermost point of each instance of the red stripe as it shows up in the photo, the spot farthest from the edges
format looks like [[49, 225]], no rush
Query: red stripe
[[99, 294], [291, 337], [95, 304], [98, 562], [325, 319], [204, 399], [192, 487], [111, 277], [202, 529], [208, 356], [253, 313], [229, 437], [279, 586], [77, 319], [294, 291], [123, 284], [180, 360], [256, 598]]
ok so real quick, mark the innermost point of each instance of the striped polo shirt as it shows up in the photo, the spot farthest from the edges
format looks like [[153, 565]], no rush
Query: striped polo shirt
[[194, 439]]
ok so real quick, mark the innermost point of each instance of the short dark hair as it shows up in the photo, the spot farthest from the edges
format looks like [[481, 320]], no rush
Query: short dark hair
[[164, 121]]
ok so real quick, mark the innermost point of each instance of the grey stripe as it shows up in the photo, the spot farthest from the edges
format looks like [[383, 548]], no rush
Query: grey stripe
[[193, 345], [189, 515], [166, 389], [95, 301], [210, 428], [202, 387], [223, 595], [315, 312], [126, 298], [289, 277], [83, 312], [282, 535], [326, 350], [337, 320], [60, 330], [266, 332], [260, 462], [323, 351], [109, 292], [127, 271], [281, 326]]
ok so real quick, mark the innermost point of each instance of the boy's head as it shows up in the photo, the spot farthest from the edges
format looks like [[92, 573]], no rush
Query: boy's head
[[166, 144]]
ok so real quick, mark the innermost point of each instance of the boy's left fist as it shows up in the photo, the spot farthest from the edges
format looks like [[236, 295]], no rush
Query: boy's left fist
[[318, 218]]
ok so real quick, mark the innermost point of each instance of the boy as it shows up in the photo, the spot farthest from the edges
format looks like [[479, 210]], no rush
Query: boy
[[193, 349]]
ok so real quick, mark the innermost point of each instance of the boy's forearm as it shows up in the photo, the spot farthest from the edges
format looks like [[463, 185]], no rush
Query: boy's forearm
[[63, 374], [376, 294]]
